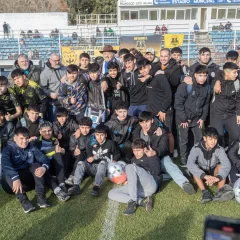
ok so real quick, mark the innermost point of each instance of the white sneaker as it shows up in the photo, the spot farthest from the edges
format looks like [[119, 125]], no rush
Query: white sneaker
[[175, 153]]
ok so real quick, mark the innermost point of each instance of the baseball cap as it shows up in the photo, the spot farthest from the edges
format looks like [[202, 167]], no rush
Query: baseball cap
[[150, 50]]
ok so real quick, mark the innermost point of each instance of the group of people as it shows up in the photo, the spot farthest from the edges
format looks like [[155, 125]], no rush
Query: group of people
[[61, 124], [159, 30]]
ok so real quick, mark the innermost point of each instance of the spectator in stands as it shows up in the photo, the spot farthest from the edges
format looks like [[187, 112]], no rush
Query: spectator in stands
[[22, 43], [98, 32], [51, 34], [195, 28], [164, 29], [110, 32], [35, 54], [36, 34], [22, 34], [105, 31], [74, 36], [150, 55], [228, 26], [50, 79], [138, 55], [31, 71], [10, 56], [5, 29], [157, 30], [221, 27], [29, 33], [108, 55], [30, 54], [56, 33]]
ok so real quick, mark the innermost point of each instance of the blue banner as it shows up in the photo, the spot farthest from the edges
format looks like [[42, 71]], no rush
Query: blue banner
[[194, 2]]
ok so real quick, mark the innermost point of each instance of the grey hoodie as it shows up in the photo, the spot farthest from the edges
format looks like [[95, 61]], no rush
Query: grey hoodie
[[50, 78], [198, 165]]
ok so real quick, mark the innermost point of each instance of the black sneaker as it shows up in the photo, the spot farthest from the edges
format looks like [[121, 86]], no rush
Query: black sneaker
[[188, 188], [27, 206], [74, 190], [95, 191], [147, 203], [206, 196], [61, 195], [183, 162], [224, 194], [69, 181], [131, 208], [42, 202]]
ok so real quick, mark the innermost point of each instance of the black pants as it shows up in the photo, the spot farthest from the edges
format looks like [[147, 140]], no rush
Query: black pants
[[184, 138], [126, 151], [27, 178], [233, 172], [57, 167], [230, 124]]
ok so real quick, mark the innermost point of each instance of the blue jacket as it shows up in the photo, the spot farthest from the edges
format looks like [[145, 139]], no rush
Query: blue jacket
[[15, 158]]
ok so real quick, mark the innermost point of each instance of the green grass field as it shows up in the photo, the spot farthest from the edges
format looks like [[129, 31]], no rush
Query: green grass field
[[176, 215]]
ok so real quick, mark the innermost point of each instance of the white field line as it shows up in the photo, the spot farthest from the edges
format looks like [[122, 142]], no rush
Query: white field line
[[108, 229]]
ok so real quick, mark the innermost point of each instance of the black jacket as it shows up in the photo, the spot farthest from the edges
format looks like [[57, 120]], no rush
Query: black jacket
[[159, 94], [212, 68], [81, 142], [227, 103], [150, 164], [103, 152], [234, 155], [66, 130], [6, 134], [31, 126], [192, 105], [137, 89], [113, 94], [121, 131], [157, 143], [173, 72]]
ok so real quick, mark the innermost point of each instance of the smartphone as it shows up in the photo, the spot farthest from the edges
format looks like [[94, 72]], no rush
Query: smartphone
[[221, 228]]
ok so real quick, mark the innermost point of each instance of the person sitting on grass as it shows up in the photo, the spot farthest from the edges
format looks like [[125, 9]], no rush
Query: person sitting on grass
[[143, 179], [78, 146], [209, 164], [24, 164], [49, 145], [31, 121], [99, 153]]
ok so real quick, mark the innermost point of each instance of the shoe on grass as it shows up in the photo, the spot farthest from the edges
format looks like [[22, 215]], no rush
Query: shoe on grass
[[224, 194], [206, 196], [61, 195], [183, 162], [95, 191], [74, 190], [27, 206], [188, 188], [147, 203], [69, 181], [131, 208], [42, 202]]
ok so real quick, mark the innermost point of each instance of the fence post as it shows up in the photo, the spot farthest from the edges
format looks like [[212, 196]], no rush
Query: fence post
[[19, 50], [59, 42], [235, 39], [189, 46]]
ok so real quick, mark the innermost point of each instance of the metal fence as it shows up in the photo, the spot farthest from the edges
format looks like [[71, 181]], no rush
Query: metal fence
[[38, 46]]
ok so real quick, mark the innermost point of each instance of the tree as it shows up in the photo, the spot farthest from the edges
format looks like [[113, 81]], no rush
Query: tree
[[105, 7]]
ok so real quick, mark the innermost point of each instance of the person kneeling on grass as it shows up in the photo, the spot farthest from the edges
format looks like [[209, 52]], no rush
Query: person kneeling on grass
[[143, 179], [24, 164], [99, 153], [208, 162]]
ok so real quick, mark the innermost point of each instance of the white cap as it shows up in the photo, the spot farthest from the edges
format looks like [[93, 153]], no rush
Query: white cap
[[150, 50]]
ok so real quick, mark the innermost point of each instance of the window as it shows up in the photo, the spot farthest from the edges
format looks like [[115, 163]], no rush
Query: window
[[238, 13], [214, 13], [187, 16], [221, 13], [180, 15], [153, 15], [170, 14], [231, 13], [124, 15], [143, 14], [194, 14], [134, 15], [163, 14]]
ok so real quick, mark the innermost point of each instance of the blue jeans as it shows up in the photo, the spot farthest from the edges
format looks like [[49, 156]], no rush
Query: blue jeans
[[51, 113], [135, 110], [171, 170]]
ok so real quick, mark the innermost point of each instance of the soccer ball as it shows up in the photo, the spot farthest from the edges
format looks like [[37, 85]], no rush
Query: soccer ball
[[116, 173], [236, 189], [123, 165]]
